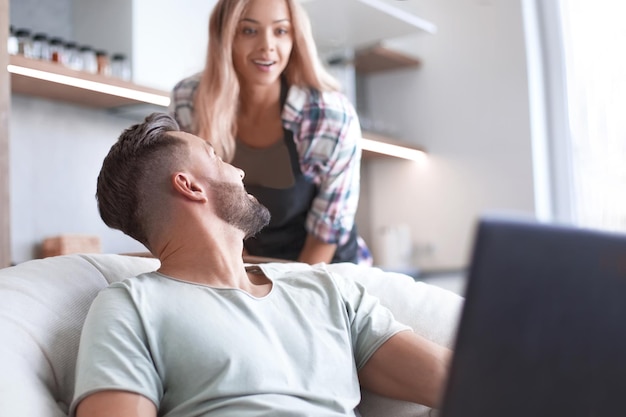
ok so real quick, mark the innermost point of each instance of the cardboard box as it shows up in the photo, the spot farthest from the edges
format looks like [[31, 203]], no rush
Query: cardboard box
[[67, 244]]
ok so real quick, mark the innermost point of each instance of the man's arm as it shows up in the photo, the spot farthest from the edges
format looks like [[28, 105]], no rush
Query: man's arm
[[408, 367], [116, 403]]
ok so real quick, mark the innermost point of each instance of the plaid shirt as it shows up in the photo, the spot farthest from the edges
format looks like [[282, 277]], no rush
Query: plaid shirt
[[326, 133]]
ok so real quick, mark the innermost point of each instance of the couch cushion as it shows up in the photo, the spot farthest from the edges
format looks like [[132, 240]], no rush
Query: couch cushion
[[42, 309], [119, 267]]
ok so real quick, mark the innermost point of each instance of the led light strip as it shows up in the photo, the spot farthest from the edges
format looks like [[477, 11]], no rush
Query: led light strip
[[393, 150], [160, 100]]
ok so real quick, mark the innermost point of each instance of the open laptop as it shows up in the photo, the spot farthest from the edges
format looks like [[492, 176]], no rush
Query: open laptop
[[543, 328]]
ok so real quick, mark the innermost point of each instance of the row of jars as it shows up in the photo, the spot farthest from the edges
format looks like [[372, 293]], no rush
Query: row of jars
[[69, 54]]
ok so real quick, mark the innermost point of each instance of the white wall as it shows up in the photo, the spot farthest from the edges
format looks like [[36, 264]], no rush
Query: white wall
[[56, 151], [52, 18], [169, 40], [103, 25], [468, 106]]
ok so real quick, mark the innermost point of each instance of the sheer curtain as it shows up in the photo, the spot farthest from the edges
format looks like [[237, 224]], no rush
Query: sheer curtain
[[593, 34]]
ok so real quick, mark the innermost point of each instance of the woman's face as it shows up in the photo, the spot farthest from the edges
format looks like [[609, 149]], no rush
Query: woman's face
[[263, 42]]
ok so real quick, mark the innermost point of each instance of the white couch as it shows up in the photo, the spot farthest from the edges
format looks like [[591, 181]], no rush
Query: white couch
[[43, 304]]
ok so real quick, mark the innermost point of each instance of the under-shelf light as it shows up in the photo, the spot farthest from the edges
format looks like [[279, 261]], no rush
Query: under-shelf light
[[158, 99], [393, 150]]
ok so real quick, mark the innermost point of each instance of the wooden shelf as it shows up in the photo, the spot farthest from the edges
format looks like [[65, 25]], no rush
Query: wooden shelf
[[379, 58], [53, 81], [40, 85]]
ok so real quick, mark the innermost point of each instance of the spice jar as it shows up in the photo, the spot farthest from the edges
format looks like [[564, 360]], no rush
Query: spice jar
[[71, 57], [90, 62], [40, 47], [12, 47], [24, 46], [56, 50], [104, 67], [120, 67]]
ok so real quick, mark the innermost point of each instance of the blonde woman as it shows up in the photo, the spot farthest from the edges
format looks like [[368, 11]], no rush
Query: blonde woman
[[267, 106]]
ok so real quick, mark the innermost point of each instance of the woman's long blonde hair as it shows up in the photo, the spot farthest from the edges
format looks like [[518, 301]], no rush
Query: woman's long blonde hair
[[217, 96]]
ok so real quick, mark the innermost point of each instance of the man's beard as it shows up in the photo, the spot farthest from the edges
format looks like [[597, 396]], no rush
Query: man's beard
[[234, 205]]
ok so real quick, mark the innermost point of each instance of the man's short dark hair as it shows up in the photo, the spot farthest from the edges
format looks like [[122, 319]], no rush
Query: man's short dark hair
[[141, 152]]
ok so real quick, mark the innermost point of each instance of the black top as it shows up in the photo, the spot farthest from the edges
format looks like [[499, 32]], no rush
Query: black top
[[285, 235]]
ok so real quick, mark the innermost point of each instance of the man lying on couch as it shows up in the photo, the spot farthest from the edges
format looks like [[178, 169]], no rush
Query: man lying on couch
[[204, 335]]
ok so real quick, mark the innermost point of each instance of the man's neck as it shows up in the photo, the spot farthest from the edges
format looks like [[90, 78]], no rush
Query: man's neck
[[204, 261], [216, 272]]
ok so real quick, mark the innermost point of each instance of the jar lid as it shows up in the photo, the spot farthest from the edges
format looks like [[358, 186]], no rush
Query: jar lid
[[85, 48], [118, 57], [101, 52], [22, 32], [56, 41], [40, 37]]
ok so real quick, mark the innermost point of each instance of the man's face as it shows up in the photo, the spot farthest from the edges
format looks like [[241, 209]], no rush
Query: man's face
[[230, 200], [238, 208]]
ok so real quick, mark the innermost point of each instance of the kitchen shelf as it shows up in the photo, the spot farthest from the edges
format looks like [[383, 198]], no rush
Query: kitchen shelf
[[379, 58], [53, 81]]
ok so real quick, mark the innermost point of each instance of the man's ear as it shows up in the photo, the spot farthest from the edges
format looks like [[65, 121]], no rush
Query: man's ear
[[186, 185]]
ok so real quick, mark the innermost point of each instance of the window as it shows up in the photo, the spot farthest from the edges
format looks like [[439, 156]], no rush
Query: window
[[577, 74], [594, 36]]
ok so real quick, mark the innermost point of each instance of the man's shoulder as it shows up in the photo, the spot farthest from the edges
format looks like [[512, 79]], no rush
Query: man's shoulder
[[291, 270], [149, 281], [299, 274]]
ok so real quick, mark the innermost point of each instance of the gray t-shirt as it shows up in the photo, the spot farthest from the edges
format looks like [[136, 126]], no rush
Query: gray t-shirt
[[195, 350]]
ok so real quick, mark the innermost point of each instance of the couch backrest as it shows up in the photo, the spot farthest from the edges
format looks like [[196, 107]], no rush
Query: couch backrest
[[43, 304]]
